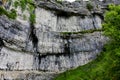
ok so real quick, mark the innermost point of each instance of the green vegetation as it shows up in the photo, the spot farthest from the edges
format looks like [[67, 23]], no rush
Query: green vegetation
[[24, 4], [107, 65], [83, 32], [10, 14], [89, 6], [59, 0], [27, 5]]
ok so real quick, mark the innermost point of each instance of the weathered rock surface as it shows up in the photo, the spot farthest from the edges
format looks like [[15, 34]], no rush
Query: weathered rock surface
[[26, 75], [66, 7], [14, 34], [60, 39], [58, 51], [78, 7]]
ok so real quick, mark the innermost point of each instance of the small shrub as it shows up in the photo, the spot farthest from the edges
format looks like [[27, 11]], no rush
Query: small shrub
[[59, 1], [27, 5], [32, 18], [12, 14], [16, 4], [89, 6]]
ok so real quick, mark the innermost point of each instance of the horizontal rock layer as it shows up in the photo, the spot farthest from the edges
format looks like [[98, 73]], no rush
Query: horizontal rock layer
[[26, 75], [78, 7]]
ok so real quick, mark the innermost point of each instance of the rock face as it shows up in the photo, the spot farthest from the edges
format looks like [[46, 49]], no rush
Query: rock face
[[14, 60], [14, 34], [26, 75], [61, 39]]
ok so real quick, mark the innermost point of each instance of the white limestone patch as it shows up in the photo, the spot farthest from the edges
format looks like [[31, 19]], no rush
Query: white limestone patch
[[14, 60]]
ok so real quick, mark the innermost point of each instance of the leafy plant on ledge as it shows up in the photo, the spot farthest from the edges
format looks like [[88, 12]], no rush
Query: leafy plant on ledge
[[10, 14], [27, 5]]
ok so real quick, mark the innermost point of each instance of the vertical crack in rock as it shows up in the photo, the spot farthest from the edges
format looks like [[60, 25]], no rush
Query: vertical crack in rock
[[34, 40], [1, 44], [66, 39], [93, 21]]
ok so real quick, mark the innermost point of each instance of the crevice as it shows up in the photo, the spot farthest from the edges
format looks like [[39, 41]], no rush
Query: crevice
[[33, 38], [39, 58], [99, 14], [1, 44], [42, 55], [93, 21], [63, 14], [66, 39]]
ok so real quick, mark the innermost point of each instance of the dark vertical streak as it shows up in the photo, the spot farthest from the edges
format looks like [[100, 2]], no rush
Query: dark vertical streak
[[1, 44]]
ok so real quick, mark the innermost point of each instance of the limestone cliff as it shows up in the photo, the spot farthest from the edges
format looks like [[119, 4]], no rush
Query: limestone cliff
[[65, 35]]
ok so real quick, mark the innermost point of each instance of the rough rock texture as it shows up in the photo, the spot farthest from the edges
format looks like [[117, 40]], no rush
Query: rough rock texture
[[49, 29], [57, 49], [52, 22], [26, 75], [14, 60], [14, 34], [78, 7], [64, 7], [65, 35]]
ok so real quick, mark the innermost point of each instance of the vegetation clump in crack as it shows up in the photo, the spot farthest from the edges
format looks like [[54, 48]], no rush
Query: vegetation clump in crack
[[10, 14], [89, 6], [27, 5], [82, 32]]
